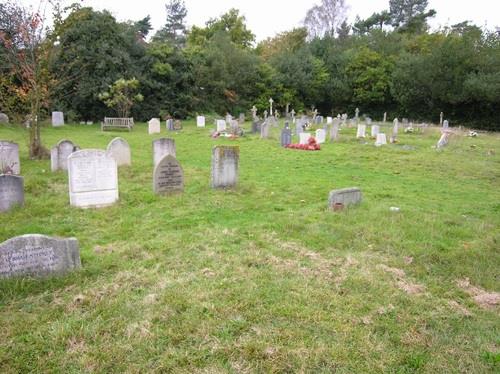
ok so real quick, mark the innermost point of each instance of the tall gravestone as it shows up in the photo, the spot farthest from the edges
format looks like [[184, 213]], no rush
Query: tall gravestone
[[329, 120], [320, 136], [163, 147], [264, 130], [256, 126], [286, 137], [241, 118], [334, 130], [57, 119], [395, 129], [200, 121], [168, 176], [154, 126], [375, 129], [381, 140], [225, 166], [59, 155], [9, 158], [170, 124], [93, 179], [446, 124], [38, 256], [11, 192], [221, 125], [361, 132], [119, 149], [299, 127]]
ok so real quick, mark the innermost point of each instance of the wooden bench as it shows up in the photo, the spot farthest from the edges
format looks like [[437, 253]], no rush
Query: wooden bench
[[117, 123]]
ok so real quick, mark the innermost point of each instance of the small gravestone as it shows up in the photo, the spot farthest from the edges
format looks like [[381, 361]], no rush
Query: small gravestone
[[225, 165], [286, 137], [154, 126], [381, 140], [235, 127], [9, 158], [57, 119], [119, 149], [177, 125], [345, 196], [4, 118], [93, 179], [11, 192], [375, 129], [329, 120], [170, 124], [200, 121], [446, 124], [163, 147], [361, 133], [368, 121], [334, 130], [299, 127], [264, 130], [241, 118], [444, 140], [221, 125], [304, 137], [59, 155], [38, 256], [256, 126], [229, 118], [320, 136], [168, 176]]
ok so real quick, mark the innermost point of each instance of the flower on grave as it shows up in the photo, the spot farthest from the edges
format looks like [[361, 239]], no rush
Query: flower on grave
[[472, 134]]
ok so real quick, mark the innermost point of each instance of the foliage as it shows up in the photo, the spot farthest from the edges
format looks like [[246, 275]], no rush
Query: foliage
[[174, 30], [121, 96], [324, 19]]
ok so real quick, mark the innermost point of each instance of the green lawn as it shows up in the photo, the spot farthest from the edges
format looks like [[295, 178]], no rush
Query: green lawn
[[264, 278]]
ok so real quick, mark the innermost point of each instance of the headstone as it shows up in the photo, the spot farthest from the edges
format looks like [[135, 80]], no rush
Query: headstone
[[119, 149], [395, 130], [293, 115], [345, 196], [11, 192], [235, 127], [361, 133], [334, 131], [90, 122], [385, 117], [254, 113], [265, 114], [304, 137], [445, 124], [38, 256], [375, 129], [241, 118], [154, 126], [329, 120], [264, 130], [229, 118], [357, 115], [170, 124], [93, 179], [177, 125], [168, 176], [286, 137], [163, 147], [221, 125], [443, 141], [200, 121], [368, 120], [381, 140], [318, 120], [225, 161], [299, 126], [57, 119], [320, 136], [4, 118], [59, 155], [9, 158], [256, 126]]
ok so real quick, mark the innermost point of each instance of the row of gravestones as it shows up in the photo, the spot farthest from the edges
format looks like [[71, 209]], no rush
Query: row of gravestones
[[154, 125]]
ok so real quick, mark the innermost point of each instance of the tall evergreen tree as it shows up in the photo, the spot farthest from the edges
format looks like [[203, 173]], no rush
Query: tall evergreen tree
[[174, 29]]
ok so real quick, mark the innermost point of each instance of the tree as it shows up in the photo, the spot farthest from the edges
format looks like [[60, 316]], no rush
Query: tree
[[410, 15], [324, 19], [288, 41], [174, 29], [24, 42], [122, 95]]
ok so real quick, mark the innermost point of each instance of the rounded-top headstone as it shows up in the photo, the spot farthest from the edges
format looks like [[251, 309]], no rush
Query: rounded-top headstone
[[119, 149], [4, 118], [11, 192], [9, 158], [154, 126], [59, 154], [163, 147], [168, 176]]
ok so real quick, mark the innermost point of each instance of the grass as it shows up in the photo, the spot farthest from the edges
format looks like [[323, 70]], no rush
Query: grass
[[264, 278]]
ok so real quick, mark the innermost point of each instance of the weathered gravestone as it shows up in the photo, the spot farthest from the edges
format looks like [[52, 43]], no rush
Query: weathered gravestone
[[4, 118], [334, 130], [264, 130], [59, 155], [93, 179], [368, 121], [361, 133], [345, 196], [154, 126], [38, 256], [375, 129], [200, 121], [286, 137], [320, 136], [170, 124], [256, 126], [119, 149], [229, 118], [444, 140], [9, 158], [57, 119], [221, 125], [163, 147], [225, 165], [446, 124], [11, 192], [177, 124], [241, 118], [381, 140], [299, 126], [168, 176], [395, 129], [329, 120], [304, 137]]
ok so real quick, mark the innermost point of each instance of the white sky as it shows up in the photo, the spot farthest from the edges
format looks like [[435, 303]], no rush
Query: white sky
[[266, 18]]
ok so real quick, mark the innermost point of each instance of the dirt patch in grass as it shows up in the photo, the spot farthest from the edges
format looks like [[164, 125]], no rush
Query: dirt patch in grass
[[483, 298], [402, 282], [459, 308]]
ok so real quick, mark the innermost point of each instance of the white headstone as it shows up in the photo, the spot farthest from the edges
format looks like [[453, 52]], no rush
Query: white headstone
[[381, 139], [200, 121], [119, 149], [9, 158], [304, 137], [361, 133], [59, 155], [445, 124], [93, 179], [334, 130], [375, 129], [154, 126], [163, 147], [221, 125], [225, 166], [320, 136], [329, 120], [57, 119]]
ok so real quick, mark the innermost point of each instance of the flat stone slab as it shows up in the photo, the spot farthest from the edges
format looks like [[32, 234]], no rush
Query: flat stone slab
[[11, 192], [38, 256], [345, 196]]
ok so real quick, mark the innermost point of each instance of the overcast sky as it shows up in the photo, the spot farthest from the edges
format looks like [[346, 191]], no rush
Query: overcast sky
[[266, 18]]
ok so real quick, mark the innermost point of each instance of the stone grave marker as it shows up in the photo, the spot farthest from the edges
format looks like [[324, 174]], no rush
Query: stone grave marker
[[93, 179], [11, 192], [177, 125], [345, 196], [264, 130], [4, 118], [304, 137], [444, 140], [154, 126], [38, 256], [361, 133], [59, 154], [299, 126], [368, 120], [329, 120], [385, 117], [286, 137], [241, 118], [163, 147], [395, 129], [57, 119], [119, 149], [320, 136], [221, 125], [200, 121], [256, 126], [170, 124], [334, 130], [225, 165], [9, 158], [168, 176], [375, 129], [381, 140], [446, 124]]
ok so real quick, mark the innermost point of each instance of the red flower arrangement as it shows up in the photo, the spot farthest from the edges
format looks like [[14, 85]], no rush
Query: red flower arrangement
[[310, 146]]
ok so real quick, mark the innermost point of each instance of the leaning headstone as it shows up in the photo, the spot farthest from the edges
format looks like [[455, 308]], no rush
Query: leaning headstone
[[11, 192], [38, 256], [57, 119], [154, 126], [375, 129], [345, 196], [443, 141], [445, 124], [170, 124], [9, 158], [168, 176], [4, 118], [93, 179], [286, 137], [334, 131], [59, 155], [320, 136], [264, 130], [200, 121], [304, 137], [221, 125], [225, 161], [381, 140], [119, 149], [163, 147], [361, 133]]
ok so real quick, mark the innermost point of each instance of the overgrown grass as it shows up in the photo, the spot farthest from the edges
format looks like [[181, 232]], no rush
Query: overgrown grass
[[264, 278]]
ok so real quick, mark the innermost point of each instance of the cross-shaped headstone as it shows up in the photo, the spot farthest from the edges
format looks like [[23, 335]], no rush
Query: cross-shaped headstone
[[271, 101]]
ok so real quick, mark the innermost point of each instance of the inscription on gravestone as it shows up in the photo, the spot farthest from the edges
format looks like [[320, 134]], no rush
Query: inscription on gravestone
[[11, 192], [168, 176], [9, 158]]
